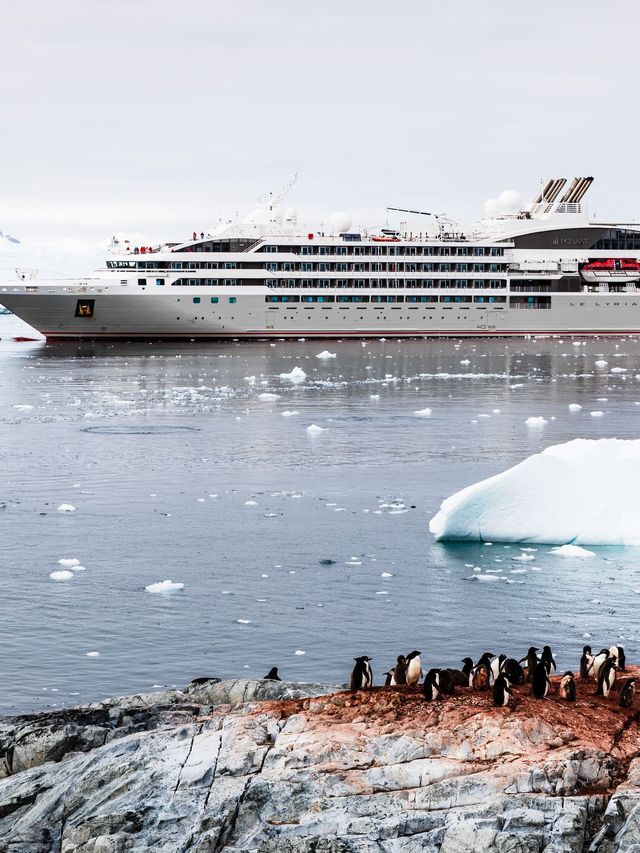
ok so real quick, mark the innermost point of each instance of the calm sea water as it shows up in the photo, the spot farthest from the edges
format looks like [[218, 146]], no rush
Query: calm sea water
[[178, 470]]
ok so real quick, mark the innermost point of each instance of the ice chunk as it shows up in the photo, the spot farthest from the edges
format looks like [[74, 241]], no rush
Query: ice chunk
[[250, 503], [314, 428], [572, 551], [164, 586], [536, 423], [93, 654], [601, 363], [68, 563], [64, 575], [296, 375], [596, 414], [423, 413], [574, 407], [25, 407], [267, 397], [66, 508], [325, 354], [289, 414], [583, 492]]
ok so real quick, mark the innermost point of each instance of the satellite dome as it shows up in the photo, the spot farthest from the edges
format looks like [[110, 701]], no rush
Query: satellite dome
[[340, 222], [290, 214], [509, 201], [492, 207]]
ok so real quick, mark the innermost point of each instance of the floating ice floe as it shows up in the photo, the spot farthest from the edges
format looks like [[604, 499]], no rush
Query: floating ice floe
[[423, 413], [68, 562], [601, 363], [574, 407], [165, 586], [618, 370], [251, 503], [268, 397], [63, 575], [583, 492], [325, 354], [66, 508], [25, 407], [572, 551], [93, 654], [289, 414], [314, 429], [296, 375], [536, 423], [596, 414]]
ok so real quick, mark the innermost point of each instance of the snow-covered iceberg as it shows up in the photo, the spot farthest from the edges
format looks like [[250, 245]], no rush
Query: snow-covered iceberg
[[584, 492]]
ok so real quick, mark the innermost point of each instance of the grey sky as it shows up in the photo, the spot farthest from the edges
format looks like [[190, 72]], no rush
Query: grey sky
[[157, 116]]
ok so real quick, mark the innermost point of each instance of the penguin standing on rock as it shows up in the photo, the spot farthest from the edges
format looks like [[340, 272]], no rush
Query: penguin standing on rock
[[389, 680], [414, 669], [432, 685], [627, 692], [501, 691], [460, 677], [480, 677], [513, 671], [496, 665], [618, 653], [400, 670], [548, 659], [540, 681], [606, 677], [531, 660], [361, 677], [586, 662], [567, 689], [272, 675], [598, 662], [447, 684]]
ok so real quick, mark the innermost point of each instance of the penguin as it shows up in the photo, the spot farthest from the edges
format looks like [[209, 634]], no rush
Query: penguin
[[586, 662], [496, 665], [531, 659], [548, 659], [389, 679], [414, 670], [432, 685], [618, 652], [606, 677], [447, 684], [459, 678], [567, 689], [540, 681], [272, 675], [483, 661], [627, 692], [400, 670], [361, 677], [501, 692], [481, 677], [513, 671], [598, 663]]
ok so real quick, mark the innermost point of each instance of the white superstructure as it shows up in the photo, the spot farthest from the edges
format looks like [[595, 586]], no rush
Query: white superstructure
[[541, 268]]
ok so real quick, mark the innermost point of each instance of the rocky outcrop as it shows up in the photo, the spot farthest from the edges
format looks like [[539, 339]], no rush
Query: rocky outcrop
[[233, 767]]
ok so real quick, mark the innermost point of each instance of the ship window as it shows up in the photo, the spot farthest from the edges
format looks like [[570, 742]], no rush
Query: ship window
[[160, 282], [271, 266], [214, 300], [142, 282], [229, 265], [343, 298], [196, 300], [232, 299]]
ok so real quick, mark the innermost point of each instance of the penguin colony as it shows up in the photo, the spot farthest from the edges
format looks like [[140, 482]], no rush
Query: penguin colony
[[500, 673]]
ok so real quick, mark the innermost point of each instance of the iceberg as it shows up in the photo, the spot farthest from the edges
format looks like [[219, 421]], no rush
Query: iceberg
[[583, 492]]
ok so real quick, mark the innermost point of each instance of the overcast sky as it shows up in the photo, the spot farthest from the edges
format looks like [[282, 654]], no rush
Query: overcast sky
[[158, 116]]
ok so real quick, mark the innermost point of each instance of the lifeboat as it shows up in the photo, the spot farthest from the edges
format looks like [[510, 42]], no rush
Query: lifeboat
[[611, 269], [385, 239]]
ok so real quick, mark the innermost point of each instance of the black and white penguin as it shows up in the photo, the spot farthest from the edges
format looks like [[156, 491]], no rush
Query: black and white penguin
[[567, 689], [389, 680], [400, 670], [496, 665], [501, 691], [539, 681], [414, 669], [598, 662], [432, 685], [606, 677], [361, 677], [621, 659], [531, 659], [627, 692], [447, 683], [513, 671], [272, 675], [548, 659], [586, 662]]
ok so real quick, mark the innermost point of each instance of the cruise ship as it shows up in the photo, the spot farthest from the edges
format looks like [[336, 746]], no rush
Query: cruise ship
[[541, 268]]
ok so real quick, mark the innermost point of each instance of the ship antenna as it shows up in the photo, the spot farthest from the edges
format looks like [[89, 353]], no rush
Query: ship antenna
[[274, 199]]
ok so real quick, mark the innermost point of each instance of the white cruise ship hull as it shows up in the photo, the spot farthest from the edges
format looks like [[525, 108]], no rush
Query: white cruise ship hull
[[151, 315]]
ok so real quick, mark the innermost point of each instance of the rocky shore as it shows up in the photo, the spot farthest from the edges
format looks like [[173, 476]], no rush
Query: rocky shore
[[239, 766]]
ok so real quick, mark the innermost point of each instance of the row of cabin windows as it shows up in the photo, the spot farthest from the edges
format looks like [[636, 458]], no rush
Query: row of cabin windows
[[385, 299], [214, 300], [464, 284], [338, 266], [411, 251]]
